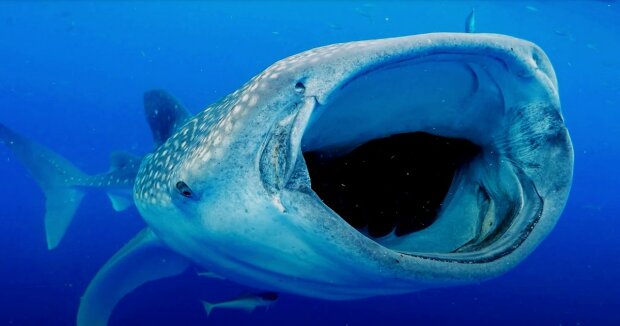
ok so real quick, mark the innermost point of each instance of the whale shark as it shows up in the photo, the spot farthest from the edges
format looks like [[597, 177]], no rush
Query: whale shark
[[355, 170], [64, 184]]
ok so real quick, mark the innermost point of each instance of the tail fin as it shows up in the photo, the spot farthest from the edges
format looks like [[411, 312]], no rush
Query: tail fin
[[208, 307], [55, 175]]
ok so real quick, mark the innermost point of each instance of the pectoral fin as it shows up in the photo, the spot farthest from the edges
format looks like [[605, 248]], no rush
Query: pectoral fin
[[120, 202], [145, 258]]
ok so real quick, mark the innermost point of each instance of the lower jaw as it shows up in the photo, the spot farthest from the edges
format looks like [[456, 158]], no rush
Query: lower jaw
[[428, 196]]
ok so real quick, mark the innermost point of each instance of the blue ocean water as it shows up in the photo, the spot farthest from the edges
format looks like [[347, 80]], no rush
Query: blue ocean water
[[72, 75]]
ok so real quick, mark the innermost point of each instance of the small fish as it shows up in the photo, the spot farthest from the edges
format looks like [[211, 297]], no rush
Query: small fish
[[210, 275], [362, 11], [334, 26], [592, 207], [470, 22], [564, 33], [245, 302], [532, 8]]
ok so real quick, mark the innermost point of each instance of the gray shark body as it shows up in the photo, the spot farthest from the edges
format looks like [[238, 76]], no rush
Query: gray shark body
[[65, 185], [230, 190]]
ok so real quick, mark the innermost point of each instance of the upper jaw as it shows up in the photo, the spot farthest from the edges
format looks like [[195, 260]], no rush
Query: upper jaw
[[325, 69]]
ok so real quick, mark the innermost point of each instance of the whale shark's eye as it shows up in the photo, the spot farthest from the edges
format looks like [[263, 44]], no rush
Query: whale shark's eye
[[184, 189], [300, 88]]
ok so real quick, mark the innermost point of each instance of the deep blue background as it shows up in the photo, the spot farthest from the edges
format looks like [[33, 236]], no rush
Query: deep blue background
[[72, 76]]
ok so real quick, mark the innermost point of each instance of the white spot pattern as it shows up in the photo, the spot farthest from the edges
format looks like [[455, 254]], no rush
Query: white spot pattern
[[206, 136]]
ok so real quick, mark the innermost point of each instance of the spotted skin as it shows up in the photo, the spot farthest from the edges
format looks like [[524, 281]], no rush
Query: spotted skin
[[158, 172], [206, 136]]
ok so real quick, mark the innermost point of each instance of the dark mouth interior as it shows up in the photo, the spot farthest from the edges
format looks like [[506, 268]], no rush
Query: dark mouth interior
[[392, 184]]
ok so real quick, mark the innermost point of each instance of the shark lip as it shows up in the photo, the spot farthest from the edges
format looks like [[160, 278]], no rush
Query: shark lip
[[491, 203]]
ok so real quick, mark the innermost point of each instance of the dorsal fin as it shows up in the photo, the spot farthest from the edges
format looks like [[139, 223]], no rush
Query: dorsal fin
[[164, 114], [120, 160]]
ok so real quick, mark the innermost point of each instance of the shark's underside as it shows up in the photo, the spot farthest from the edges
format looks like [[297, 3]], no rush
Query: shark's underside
[[354, 170]]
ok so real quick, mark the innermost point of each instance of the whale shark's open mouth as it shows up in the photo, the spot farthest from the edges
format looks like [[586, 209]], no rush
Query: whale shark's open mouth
[[432, 156], [390, 186]]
